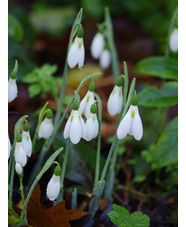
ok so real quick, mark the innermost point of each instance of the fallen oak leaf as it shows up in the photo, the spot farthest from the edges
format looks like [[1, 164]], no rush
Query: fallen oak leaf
[[57, 215]]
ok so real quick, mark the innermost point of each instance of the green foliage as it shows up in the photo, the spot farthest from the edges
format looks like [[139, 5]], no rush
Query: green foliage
[[165, 152], [162, 67], [42, 81], [15, 29], [151, 96], [121, 217]]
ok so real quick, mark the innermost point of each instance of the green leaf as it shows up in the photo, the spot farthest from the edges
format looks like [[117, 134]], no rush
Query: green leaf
[[19, 124], [15, 29], [34, 90], [121, 217], [138, 219], [30, 78], [153, 97], [166, 150], [162, 67]]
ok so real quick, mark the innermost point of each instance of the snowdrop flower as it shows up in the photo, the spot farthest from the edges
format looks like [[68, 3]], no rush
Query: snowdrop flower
[[75, 126], [91, 124], [115, 100], [173, 41], [97, 44], [76, 54], [12, 86], [87, 101], [131, 123], [9, 147], [105, 59], [53, 187], [46, 127], [19, 169], [19, 153], [12, 89], [26, 140]]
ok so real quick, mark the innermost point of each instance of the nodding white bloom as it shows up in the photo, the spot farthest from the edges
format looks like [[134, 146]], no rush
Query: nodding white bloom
[[91, 124], [53, 187], [75, 126], [173, 41], [115, 100], [76, 54], [131, 124], [9, 147], [105, 59], [12, 89], [26, 140], [19, 153], [46, 127], [18, 168], [87, 101], [97, 45]]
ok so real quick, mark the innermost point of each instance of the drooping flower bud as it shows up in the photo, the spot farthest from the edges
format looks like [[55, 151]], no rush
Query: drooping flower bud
[[53, 187], [26, 140], [19, 153], [173, 40], [12, 86], [19, 169], [46, 127]]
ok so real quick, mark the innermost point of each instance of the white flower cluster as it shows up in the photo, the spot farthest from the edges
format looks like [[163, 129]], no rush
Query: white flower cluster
[[131, 123], [76, 128], [23, 148], [99, 49]]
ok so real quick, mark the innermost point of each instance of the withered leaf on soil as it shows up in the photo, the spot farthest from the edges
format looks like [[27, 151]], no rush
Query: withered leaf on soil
[[57, 215]]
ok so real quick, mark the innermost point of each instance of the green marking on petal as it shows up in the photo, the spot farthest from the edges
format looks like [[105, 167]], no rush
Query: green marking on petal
[[114, 91], [27, 137], [80, 45], [88, 97], [71, 118], [119, 93], [132, 113]]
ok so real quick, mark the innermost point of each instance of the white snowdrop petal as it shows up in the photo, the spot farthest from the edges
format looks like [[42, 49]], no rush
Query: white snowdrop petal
[[9, 147], [27, 143], [46, 128], [66, 132], [19, 154], [124, 126], [53, 187], [83, 104], [114, 103], [88, 105], [173, 41], [18, 168], [81, 56], [137, 127], [90, 128], [105, 59], [83, 127], [12, 90], [75, 130], [73, 55], [97, 45]]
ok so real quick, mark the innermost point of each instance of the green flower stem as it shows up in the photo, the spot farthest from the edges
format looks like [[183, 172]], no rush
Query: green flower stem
[[47, 165], [64, 165], [126, 84], [110, 38], [132, 87], [40, 118], [74, 199], [97, 169], [22, 194], [11, 181], [65, 73], [109, 158], [171, 26]]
